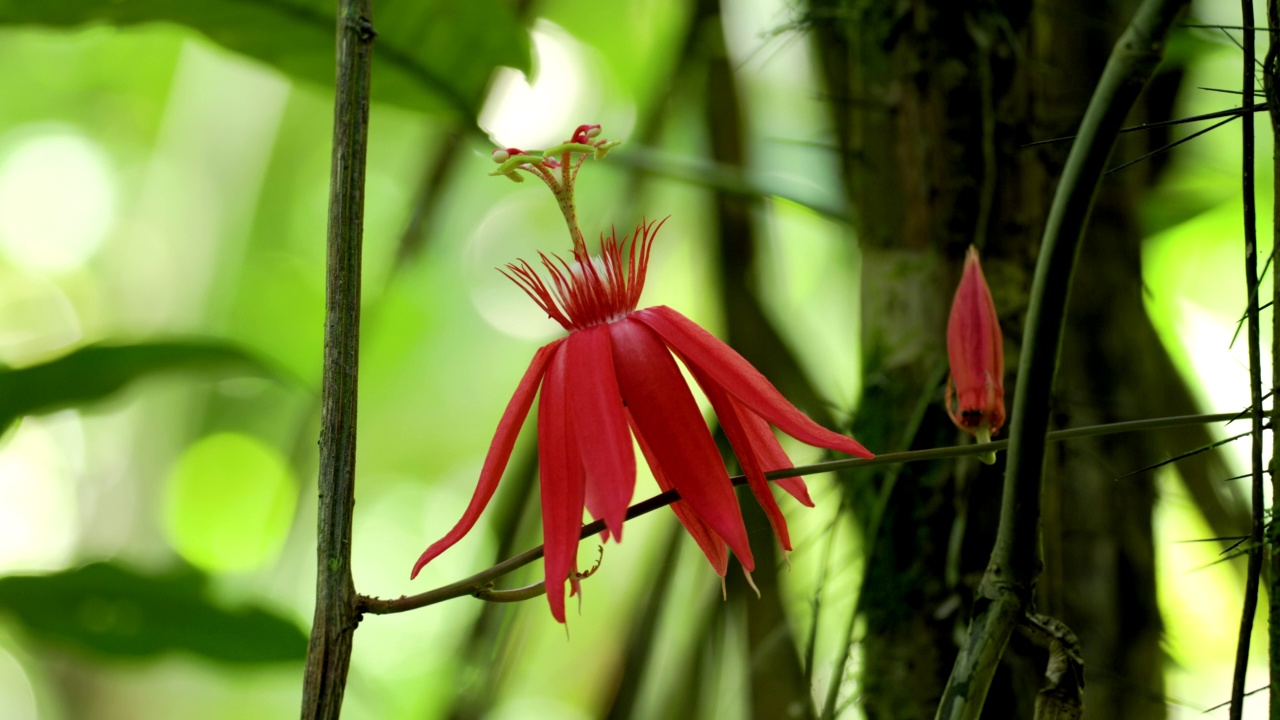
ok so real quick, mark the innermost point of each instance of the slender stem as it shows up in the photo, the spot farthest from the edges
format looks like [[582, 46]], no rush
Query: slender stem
[[568, 205], [1254, 572], [1016, 558], [1269, 71], [329, 652], [478, 584]]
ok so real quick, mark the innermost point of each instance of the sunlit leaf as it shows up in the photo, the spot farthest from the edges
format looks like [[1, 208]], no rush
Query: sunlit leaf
[[110, 610], [428, 55], [96, 371]]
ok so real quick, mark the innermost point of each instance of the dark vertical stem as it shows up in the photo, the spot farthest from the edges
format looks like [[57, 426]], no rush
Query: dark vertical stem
[[1273, 104], [329, 653], [1016, 559], [1255, 370]]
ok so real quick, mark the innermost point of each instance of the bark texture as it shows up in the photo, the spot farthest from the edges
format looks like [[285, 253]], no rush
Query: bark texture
[[932, 106]]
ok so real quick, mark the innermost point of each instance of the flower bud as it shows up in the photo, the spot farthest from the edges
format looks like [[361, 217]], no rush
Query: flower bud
[[975, 347]]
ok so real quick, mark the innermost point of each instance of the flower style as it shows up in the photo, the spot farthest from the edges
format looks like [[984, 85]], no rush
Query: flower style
[[614, 377], [975, 347]]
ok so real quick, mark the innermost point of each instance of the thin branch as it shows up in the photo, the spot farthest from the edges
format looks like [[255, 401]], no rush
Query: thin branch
[[1235, 550], [1223, 27], [1240, 45], [1219, 706], [1245, 317], [480, 582], [1270, 67], [329, 651], [1253, 575], [1227, 113], [1253, 299], [1175, 143], [1229, 91], [1233, 538], [1183, 456], [1016, 560]]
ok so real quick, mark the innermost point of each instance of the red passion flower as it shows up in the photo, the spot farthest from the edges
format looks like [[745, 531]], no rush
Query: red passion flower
[[614, 377]]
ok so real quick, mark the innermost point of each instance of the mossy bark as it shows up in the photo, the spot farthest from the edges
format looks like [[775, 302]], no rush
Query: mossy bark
[[933, 105]]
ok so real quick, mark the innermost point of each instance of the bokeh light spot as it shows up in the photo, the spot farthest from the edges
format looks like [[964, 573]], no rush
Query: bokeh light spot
[[57, 198], [498, 300], [230, 500], [538, 114], [39, 461]]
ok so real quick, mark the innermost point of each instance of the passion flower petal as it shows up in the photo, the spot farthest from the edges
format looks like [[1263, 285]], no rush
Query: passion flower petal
[[561, 485], [711, 544], [761, 440], [733, 423], [668, 419], [702, 349], [495, 462], [600, 424]]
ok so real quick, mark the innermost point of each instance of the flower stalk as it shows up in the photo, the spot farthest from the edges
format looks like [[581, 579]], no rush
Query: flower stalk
[[482, 581], [336, 614]]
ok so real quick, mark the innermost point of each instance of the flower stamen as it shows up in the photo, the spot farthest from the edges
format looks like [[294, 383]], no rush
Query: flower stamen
[[584, 141]]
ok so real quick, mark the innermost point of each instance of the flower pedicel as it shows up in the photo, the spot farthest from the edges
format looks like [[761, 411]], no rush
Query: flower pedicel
[[613, 377]]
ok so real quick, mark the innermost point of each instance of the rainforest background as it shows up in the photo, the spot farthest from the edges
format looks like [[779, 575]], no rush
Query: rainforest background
[[164, 173]]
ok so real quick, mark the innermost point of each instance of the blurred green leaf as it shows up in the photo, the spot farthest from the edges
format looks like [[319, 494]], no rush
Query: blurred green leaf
[[429, 54], [96, 371], [109, 610]]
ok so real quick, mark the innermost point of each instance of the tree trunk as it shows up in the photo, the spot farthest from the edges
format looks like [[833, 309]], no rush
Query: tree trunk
[[932, 105]]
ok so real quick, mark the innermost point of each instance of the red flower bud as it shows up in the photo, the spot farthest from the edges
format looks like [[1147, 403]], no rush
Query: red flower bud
[[975, 347]]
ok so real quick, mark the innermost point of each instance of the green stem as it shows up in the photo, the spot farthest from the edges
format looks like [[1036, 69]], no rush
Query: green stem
[[1016, 559], [329, 651], [564, 196], [478, 583]]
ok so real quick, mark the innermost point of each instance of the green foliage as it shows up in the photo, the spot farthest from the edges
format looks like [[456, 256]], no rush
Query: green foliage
[[430, 54], [109, 610], [96, 371]]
